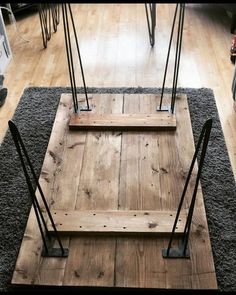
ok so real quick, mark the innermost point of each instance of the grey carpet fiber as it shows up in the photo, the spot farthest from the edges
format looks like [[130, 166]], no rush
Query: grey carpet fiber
[[34, 117]]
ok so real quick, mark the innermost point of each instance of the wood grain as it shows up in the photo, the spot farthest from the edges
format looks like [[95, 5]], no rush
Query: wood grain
[[98, 189], [113, 175], [29, 260], [116, 52], [140, 190], [123, 122], [116, 222]]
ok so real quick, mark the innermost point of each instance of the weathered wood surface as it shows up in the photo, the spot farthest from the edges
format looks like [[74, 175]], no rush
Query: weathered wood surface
[[123, 122], [118, 171], [116, 221]]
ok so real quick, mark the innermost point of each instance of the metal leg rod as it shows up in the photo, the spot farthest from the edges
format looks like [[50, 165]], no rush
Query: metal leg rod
[[207, 127], [148, 23], [49, 21], [71, 58], [46, 21], [75, 102], [44, 37], [176, 55], [17, 134], [184, 191], [58, 14], [39, 216], [151, 17], [153, 12], [203, 140], [168, 55], [79, 56], [31, 190], [182, 9], [55, 15], [48, 13]]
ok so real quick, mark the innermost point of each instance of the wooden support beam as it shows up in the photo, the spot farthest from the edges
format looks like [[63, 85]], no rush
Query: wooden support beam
[[123, 122], [116, 222]]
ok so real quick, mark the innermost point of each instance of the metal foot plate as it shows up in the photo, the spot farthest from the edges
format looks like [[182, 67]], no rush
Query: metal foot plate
[[55, 252], [84, 109], [163, 109], [175, 253]]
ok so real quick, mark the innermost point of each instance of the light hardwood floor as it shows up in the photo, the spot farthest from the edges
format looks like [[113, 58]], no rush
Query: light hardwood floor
[[116, 52]]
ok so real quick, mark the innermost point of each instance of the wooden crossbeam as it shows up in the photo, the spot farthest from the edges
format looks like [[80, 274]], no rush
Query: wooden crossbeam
[[123, 122], [116, 222]]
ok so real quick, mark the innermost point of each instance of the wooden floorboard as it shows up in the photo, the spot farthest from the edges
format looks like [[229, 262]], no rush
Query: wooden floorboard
[[110, 171], [115, 51]]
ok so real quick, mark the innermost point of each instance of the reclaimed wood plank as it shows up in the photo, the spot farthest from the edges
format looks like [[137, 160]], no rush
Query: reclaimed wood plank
[[202, 263], [115, 221], [138, 261], [29, 259], [63, 195], [98, 189], [123, 122], [176, 160]]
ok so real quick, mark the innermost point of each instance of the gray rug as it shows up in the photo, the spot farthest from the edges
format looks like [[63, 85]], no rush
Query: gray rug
[[34, 117]]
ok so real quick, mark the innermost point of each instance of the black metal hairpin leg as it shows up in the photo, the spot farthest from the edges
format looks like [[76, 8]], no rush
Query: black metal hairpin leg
[[150, 10], [167, 59], [182, 250], [177, 58], [177, 55], [48, 12], [70, 59], [48, 241], [43, 17], [55, 8]]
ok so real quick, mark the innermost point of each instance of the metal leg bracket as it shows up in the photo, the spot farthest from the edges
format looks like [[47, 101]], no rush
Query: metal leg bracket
[[164, 109], [50, 251], [176, 252]]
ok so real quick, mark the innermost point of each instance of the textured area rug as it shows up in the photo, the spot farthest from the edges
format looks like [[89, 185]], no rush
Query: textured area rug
[[34, 117]]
